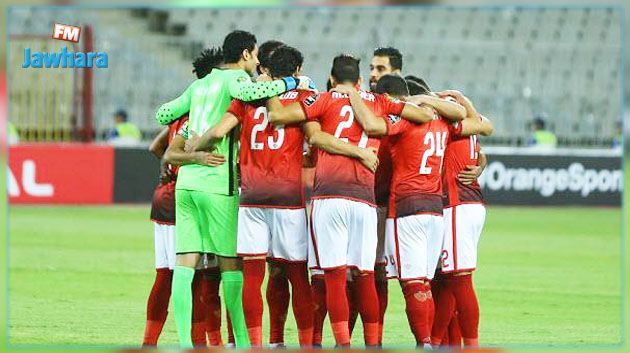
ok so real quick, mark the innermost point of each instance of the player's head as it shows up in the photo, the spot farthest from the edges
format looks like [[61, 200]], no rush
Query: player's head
[[385, 61], [264, 54], [393, 85], [345, 70], [285, 61], [539, 123], [239, 47], [416, 85], [207, 60], [120, 116]]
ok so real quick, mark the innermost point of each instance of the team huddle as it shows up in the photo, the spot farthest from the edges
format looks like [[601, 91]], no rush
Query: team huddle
[[394, 197]]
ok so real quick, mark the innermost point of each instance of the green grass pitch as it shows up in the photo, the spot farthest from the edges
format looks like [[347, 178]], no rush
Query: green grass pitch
[[547, 276]]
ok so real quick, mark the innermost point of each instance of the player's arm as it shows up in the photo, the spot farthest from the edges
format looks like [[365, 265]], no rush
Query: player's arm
[[474, 123], [418, 114], [174, 109], [244, 89], [284, 115], [470, 174], [477, 126], [371, 124], [160, 143], [316, 137], [176, 155], [208, 140], [449, 110]]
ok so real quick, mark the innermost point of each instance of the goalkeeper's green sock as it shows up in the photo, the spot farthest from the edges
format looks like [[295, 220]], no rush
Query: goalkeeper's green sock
[[232, 282], [181, 294]]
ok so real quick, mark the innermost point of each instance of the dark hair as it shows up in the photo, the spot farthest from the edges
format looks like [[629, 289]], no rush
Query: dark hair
[[392, 84], [395, 57], [264, 53], [345, 68], [328, 85], [234, 44], [121, 113], [207, 60], [417, 85], [284, 61]]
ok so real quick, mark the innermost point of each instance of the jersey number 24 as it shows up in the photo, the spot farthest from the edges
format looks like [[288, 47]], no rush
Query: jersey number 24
[[436, 143]]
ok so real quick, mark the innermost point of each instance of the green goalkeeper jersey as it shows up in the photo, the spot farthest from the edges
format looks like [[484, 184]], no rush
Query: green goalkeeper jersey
[[206, 100]]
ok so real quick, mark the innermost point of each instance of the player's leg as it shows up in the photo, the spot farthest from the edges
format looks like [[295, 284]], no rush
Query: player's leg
[[353, 309], [222, 226], [411, 235], [200, 308], [289, 244], [454, 336], [329, 233], [362, 258], [210, 292], [468, 224], [318, 293], [380, 271], [188, 246], [253, 246], [278, 298], [434, 247], [444, 308], [157, 304]]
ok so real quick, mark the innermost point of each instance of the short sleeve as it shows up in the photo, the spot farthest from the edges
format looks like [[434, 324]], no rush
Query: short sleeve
[[313, 106], [389, 105], [395, 124], [237, 108]]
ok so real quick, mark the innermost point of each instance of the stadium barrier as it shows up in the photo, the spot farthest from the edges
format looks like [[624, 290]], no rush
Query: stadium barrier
[[80, 174], [96, 174], [529, 176]]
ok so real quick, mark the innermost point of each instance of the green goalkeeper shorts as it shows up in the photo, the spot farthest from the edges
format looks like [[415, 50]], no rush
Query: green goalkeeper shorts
[[205, 223]]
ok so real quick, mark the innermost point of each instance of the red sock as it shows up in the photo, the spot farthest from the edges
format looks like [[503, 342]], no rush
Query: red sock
[[253, 276], [351, 295], [199, 308], [444, 309], [278, 300], [382, 292], [367, 305], [210, 291], [157, 306], [318, 292], [297, 273], [467, 309], [337, 304], [417, 308], [454, 333]]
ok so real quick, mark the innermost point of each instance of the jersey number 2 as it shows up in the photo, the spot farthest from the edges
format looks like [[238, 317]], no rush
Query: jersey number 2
[[261, 112], [346, 110], [437, 146]]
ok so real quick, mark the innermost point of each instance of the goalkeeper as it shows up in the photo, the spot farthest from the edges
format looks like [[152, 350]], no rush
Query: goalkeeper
[[206, 197]]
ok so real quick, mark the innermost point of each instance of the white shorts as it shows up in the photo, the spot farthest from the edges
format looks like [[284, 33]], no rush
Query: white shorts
[[462, 229], [381, 257], [343, 232], [164, 239], [391, 266], [278, 233], [417, 241]]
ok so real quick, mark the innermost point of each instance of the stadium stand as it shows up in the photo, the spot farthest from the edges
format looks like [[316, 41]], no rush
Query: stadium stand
[[515, 62]]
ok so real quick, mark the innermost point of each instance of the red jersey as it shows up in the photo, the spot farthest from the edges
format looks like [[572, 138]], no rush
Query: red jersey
[[383, 182], [271, 157], [163, 201], [417, 153], [460, 152], [338, 176]]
